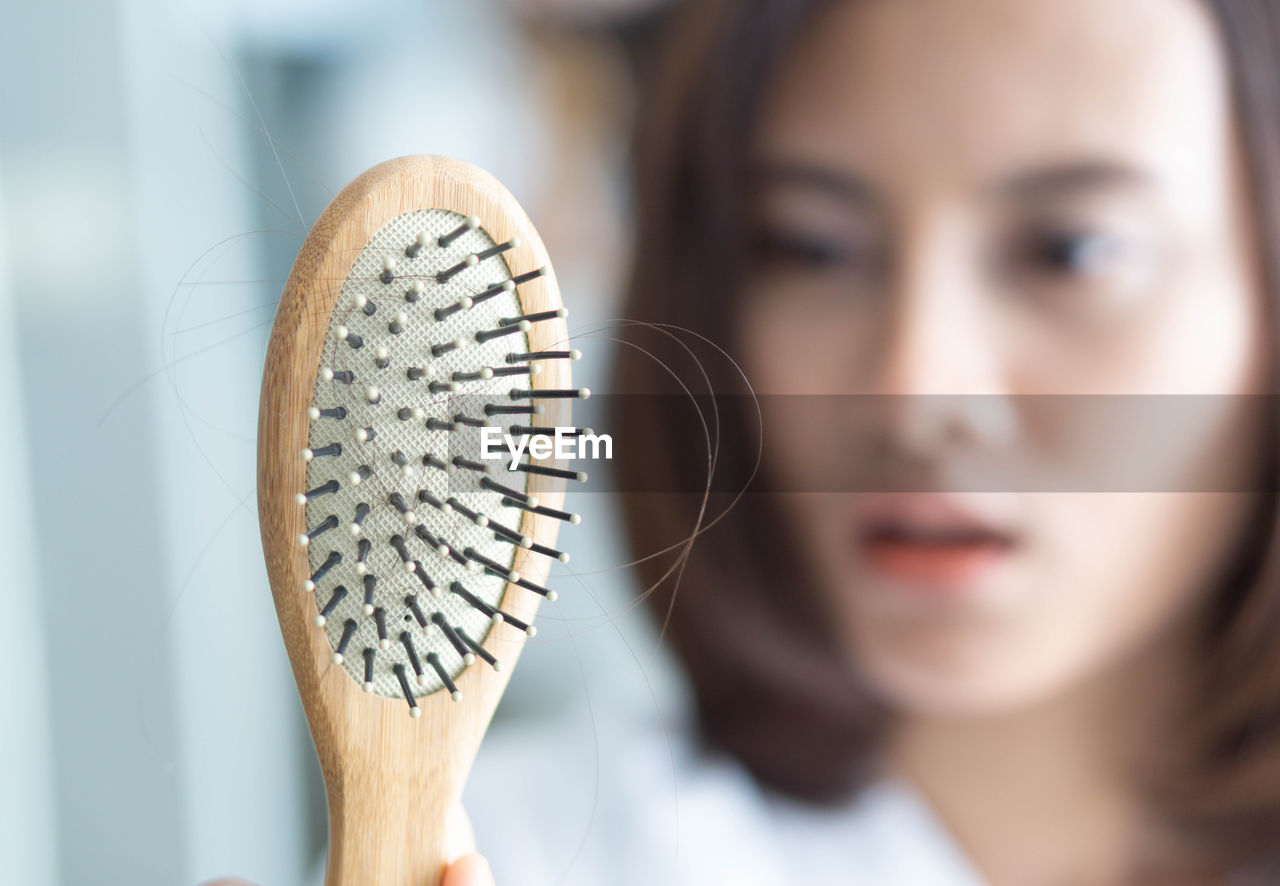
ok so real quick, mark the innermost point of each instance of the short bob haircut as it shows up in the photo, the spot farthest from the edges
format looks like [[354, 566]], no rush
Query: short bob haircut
[[771, 683]]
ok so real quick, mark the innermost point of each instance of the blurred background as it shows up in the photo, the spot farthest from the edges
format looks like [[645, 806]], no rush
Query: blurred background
[[160, 165]]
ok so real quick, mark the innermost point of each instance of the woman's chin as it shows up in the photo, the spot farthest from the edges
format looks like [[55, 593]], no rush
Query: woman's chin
[[958, 673]]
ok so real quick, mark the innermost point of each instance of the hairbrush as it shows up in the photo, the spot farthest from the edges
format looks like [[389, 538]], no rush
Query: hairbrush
[[406, 563]]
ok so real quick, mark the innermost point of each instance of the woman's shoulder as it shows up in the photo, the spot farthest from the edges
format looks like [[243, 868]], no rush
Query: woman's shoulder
[[589, 800]]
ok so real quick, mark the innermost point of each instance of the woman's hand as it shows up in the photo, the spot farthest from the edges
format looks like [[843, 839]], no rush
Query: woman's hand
[[469, 870]]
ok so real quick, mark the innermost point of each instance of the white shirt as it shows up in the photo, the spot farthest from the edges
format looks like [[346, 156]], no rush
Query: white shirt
[[603, 801]]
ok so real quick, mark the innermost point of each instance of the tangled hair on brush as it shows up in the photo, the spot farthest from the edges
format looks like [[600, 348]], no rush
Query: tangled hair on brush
[[772, 682]]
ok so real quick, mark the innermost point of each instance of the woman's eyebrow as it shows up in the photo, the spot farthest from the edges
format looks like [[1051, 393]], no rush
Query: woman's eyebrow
[[1073, 177], [814, 177]]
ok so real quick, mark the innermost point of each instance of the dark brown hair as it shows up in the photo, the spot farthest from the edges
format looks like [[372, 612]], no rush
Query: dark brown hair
[[772, 683]]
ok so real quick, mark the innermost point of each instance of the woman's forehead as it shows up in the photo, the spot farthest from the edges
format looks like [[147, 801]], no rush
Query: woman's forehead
[[972, 91]]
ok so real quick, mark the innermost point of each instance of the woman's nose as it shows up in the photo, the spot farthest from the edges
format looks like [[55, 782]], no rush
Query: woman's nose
[[939, 371]]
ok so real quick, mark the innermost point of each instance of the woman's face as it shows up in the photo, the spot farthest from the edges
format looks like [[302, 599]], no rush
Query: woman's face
[[965, 208]]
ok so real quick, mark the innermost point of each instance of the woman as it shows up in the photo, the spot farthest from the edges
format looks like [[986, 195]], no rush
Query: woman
[[919, 671]]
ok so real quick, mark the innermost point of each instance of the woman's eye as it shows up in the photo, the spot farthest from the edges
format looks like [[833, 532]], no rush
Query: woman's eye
[[804, 251], [1080, 254]]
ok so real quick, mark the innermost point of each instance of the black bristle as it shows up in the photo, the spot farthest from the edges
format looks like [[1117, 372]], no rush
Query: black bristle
[[434, 661], [322, 570], [339, 593], [330, 522], [450, 635], [404, 687], [475, 647]]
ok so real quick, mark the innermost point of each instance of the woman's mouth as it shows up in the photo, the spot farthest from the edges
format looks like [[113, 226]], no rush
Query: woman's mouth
[[930, 542]]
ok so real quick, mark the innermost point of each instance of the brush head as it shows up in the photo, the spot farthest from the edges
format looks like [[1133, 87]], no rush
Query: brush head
[[421, 316], [394, 453]]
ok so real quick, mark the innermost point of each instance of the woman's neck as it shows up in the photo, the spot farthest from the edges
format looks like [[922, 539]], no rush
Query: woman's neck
[[1046, 795]]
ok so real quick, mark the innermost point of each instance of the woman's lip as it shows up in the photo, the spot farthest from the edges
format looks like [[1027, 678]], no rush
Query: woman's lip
[[946, 567], [926, 512], [932, 541]]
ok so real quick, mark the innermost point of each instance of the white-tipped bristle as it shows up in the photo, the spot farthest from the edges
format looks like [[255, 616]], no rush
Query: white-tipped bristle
[[508, 286], [584, 393], [531, 631], [320, 620], [497, 665], [326, 374], [308, 454], [442, 550], [354, 477], [355, 528], [575, 354], [472, 221], [368, 609], [361, 568], [526, 541], [415, 712], [513, 576], [471, 260], [581, 476], [535, 368], [575, 519], [303, 540], [308, 585], [300, 499], [481, 520], [342, 332], [486, 373], [552, 596], [497, 618], [372, 394], [514, 242], [362, 435], [384, 644], [313, 413], [337, 658], [562, 313], [417, 287], [411, 518], [466, 303], [402, 318], [446, 508], [456, 696], [381, 353], [410, 567], [533, 501], [422, 679], [564, 557], [388, 263], [524, 326], [360, 301], [421, 239], [468, 659], [473, 567], [368, 687]]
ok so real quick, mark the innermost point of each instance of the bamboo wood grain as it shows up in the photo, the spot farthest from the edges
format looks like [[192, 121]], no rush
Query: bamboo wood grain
[[390, 780]]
